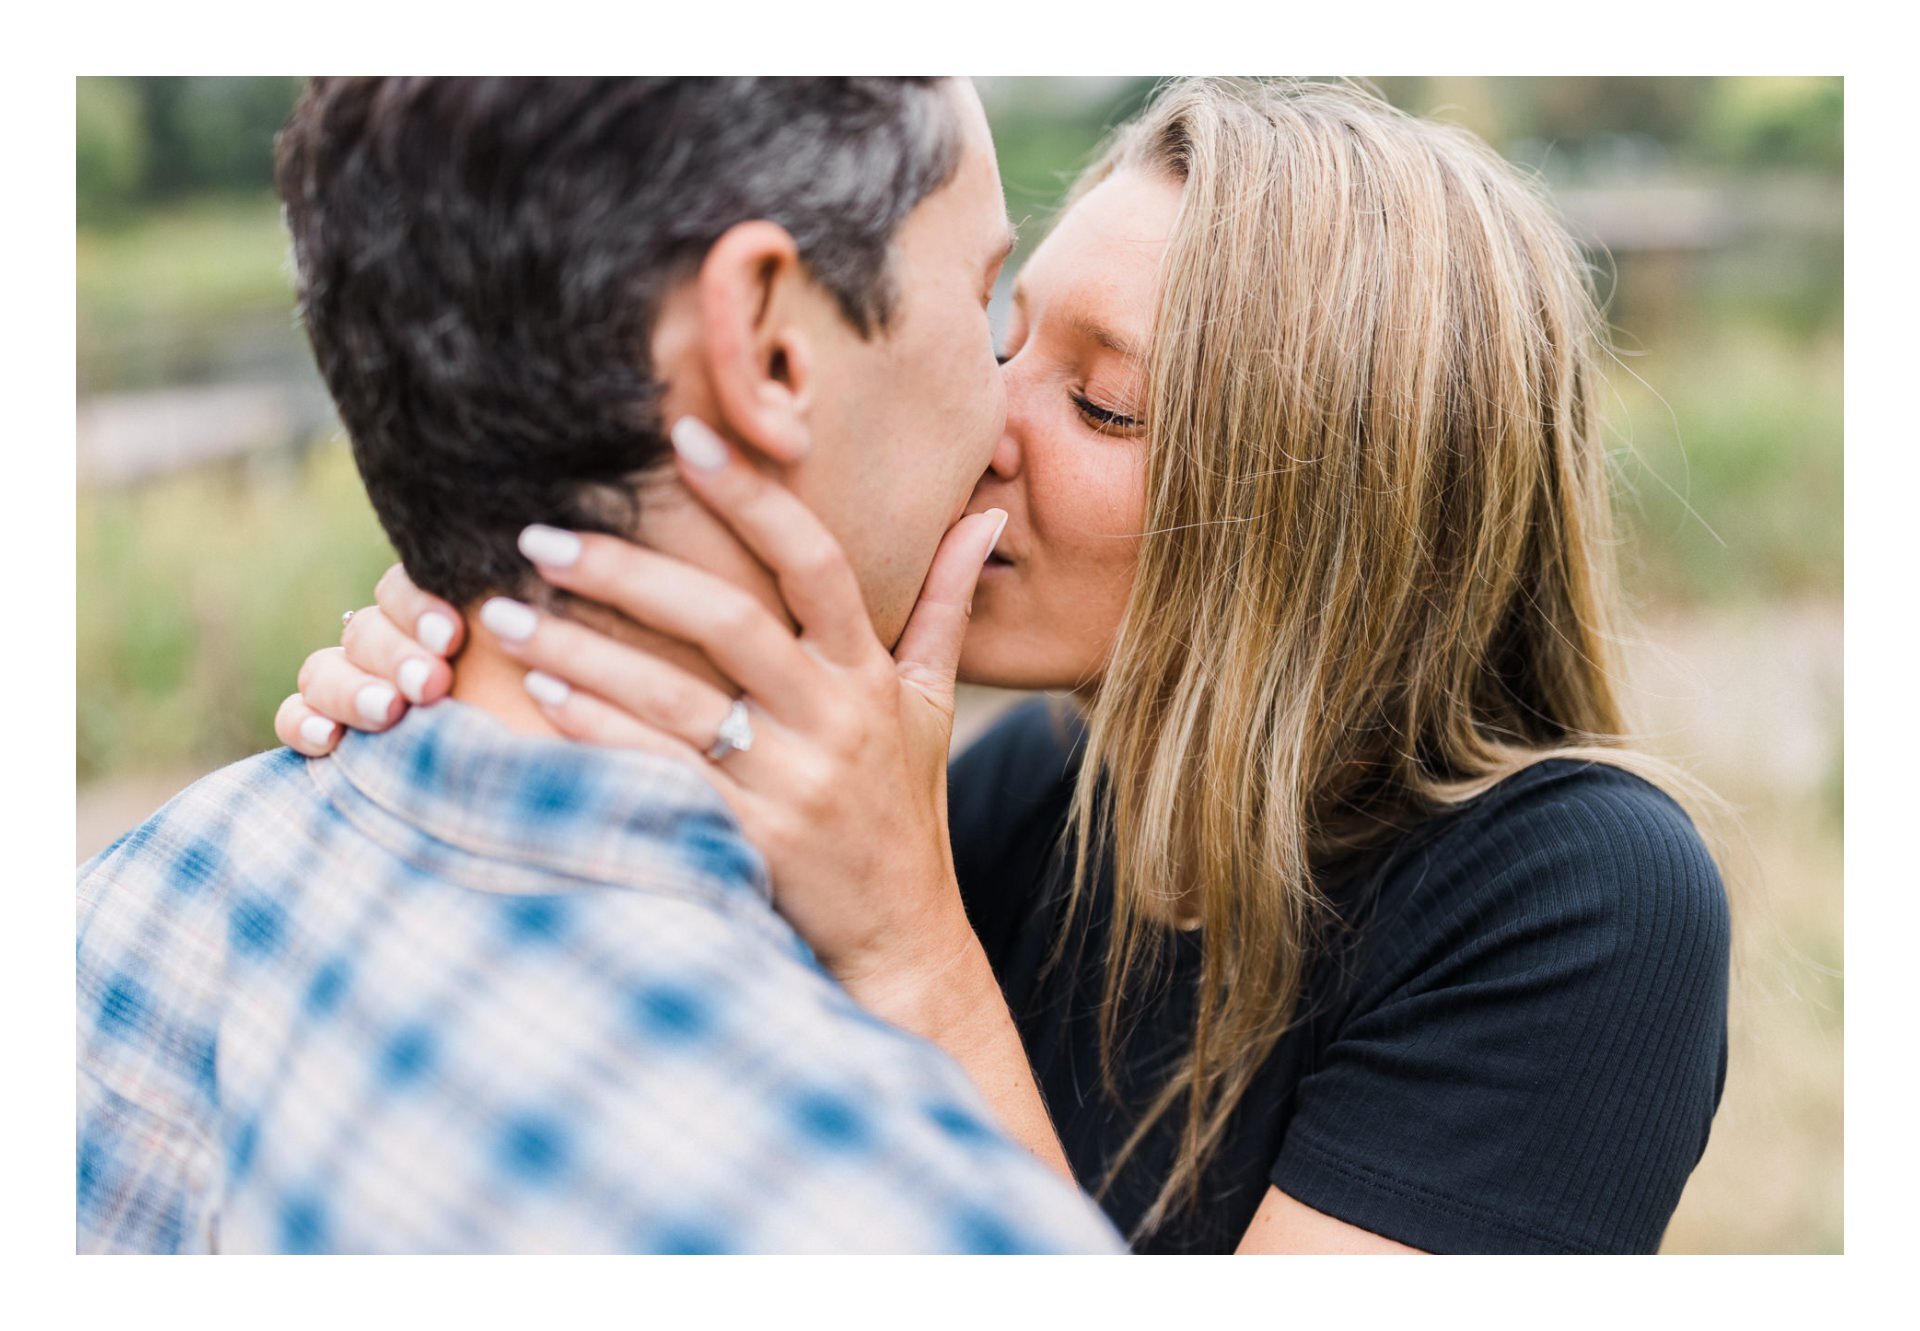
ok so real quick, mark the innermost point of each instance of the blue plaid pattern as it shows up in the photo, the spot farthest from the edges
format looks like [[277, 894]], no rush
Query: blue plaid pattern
[[457, 989]]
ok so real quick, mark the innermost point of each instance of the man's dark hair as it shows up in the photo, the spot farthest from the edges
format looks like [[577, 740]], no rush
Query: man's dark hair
[[481, 262]]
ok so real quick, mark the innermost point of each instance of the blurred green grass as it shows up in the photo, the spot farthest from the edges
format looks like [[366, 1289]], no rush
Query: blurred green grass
[[183, 292], [204, 258], [1727, 476], [199, 596]]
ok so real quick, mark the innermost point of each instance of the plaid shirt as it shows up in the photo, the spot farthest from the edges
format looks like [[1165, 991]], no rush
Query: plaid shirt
[[462, 990]]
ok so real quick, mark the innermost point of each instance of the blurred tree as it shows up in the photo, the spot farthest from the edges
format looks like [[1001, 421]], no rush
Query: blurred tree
[[1773, 122], [109, 149], [1579, 110], [1046, 129], [213, 134]]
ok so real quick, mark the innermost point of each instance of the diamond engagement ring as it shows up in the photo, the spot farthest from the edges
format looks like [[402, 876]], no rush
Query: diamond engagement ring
[[346, 618], [735, 734]]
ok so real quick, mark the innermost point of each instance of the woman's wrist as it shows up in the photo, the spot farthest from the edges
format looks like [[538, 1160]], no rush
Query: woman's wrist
[[930, 980], [950, 996]]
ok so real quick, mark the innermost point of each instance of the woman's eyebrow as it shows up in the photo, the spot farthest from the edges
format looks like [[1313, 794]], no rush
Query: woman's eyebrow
[[1086, 327]]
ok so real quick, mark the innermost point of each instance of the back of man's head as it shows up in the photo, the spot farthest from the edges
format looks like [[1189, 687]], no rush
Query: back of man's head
[[481, 261]]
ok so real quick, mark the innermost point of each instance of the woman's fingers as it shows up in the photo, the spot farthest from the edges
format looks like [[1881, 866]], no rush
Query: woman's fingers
[[582, 716], [929, 652], [373, 644], [743, 639], [340, 691], [304, 730], [428, 620], [815, 579], [569, 656]]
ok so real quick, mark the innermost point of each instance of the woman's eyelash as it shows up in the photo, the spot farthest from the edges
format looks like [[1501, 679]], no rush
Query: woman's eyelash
[[1100, 416]]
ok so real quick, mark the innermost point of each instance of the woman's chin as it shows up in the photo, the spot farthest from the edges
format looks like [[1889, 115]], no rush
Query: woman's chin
[[990, 658], [996, 660]]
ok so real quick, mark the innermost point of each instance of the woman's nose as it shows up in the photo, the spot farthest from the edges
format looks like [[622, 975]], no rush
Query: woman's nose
[[1005, 462], [1006, 459]]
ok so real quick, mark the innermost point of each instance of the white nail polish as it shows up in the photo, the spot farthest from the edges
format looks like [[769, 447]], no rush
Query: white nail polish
[[510, 619], [374, 701], [545, 688], [702, 449], [435, 632], [550, 546], [317, 731], [997, 532], [413, 678]]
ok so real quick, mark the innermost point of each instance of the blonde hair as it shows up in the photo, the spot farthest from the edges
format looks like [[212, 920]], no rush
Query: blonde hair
[[1376, 576]]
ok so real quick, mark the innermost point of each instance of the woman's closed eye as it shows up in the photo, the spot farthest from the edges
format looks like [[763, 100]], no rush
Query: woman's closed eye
[[1101, 417]]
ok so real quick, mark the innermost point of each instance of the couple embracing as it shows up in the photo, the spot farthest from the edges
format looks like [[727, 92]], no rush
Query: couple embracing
[[615, 892]]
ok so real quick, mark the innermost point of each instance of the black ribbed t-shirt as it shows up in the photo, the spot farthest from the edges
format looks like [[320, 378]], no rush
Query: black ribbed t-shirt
[[1514, 1042]]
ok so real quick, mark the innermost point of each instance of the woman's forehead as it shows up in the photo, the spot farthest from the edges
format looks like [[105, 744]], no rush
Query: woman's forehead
[[1103, 255]]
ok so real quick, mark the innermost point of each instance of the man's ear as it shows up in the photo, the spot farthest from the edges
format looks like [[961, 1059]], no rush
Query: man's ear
[[753, 296]]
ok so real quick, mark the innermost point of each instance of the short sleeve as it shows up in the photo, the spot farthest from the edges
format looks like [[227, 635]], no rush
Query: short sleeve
[[1540, 1042]]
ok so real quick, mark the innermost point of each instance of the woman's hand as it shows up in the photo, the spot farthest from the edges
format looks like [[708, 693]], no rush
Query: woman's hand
[[377, 671], [844, 787]]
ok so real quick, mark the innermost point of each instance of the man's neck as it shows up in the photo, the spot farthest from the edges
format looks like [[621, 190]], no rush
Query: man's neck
[[487, 678]]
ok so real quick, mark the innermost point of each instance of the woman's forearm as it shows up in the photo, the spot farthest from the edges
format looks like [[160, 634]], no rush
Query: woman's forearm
[[952, 999]]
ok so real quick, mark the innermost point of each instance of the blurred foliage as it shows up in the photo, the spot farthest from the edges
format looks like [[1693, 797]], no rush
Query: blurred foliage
[[1045, 131], [200, 289], [143, 141], [110, 150], [201, 594], [1728, 475], [1574, 126], [1768, 123], [206, 257]]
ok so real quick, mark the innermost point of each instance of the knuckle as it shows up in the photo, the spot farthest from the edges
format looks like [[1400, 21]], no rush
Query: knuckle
[[813, 788], [846, 733], [879, 677], [782, 830], [391, 585], [674, 707], [735, 614], [311, 668], [605, 564], [817, 557]]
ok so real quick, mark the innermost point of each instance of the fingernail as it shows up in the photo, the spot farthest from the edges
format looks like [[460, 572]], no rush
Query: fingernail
[[374, 701], [510, 619], [550, 546], [317, 731], [996, 531], [700, 447], [545, 688], [435, 632], [413, 678]]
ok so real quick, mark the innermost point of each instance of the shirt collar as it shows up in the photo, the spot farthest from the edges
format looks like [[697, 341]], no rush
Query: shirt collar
[[551, 805]]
